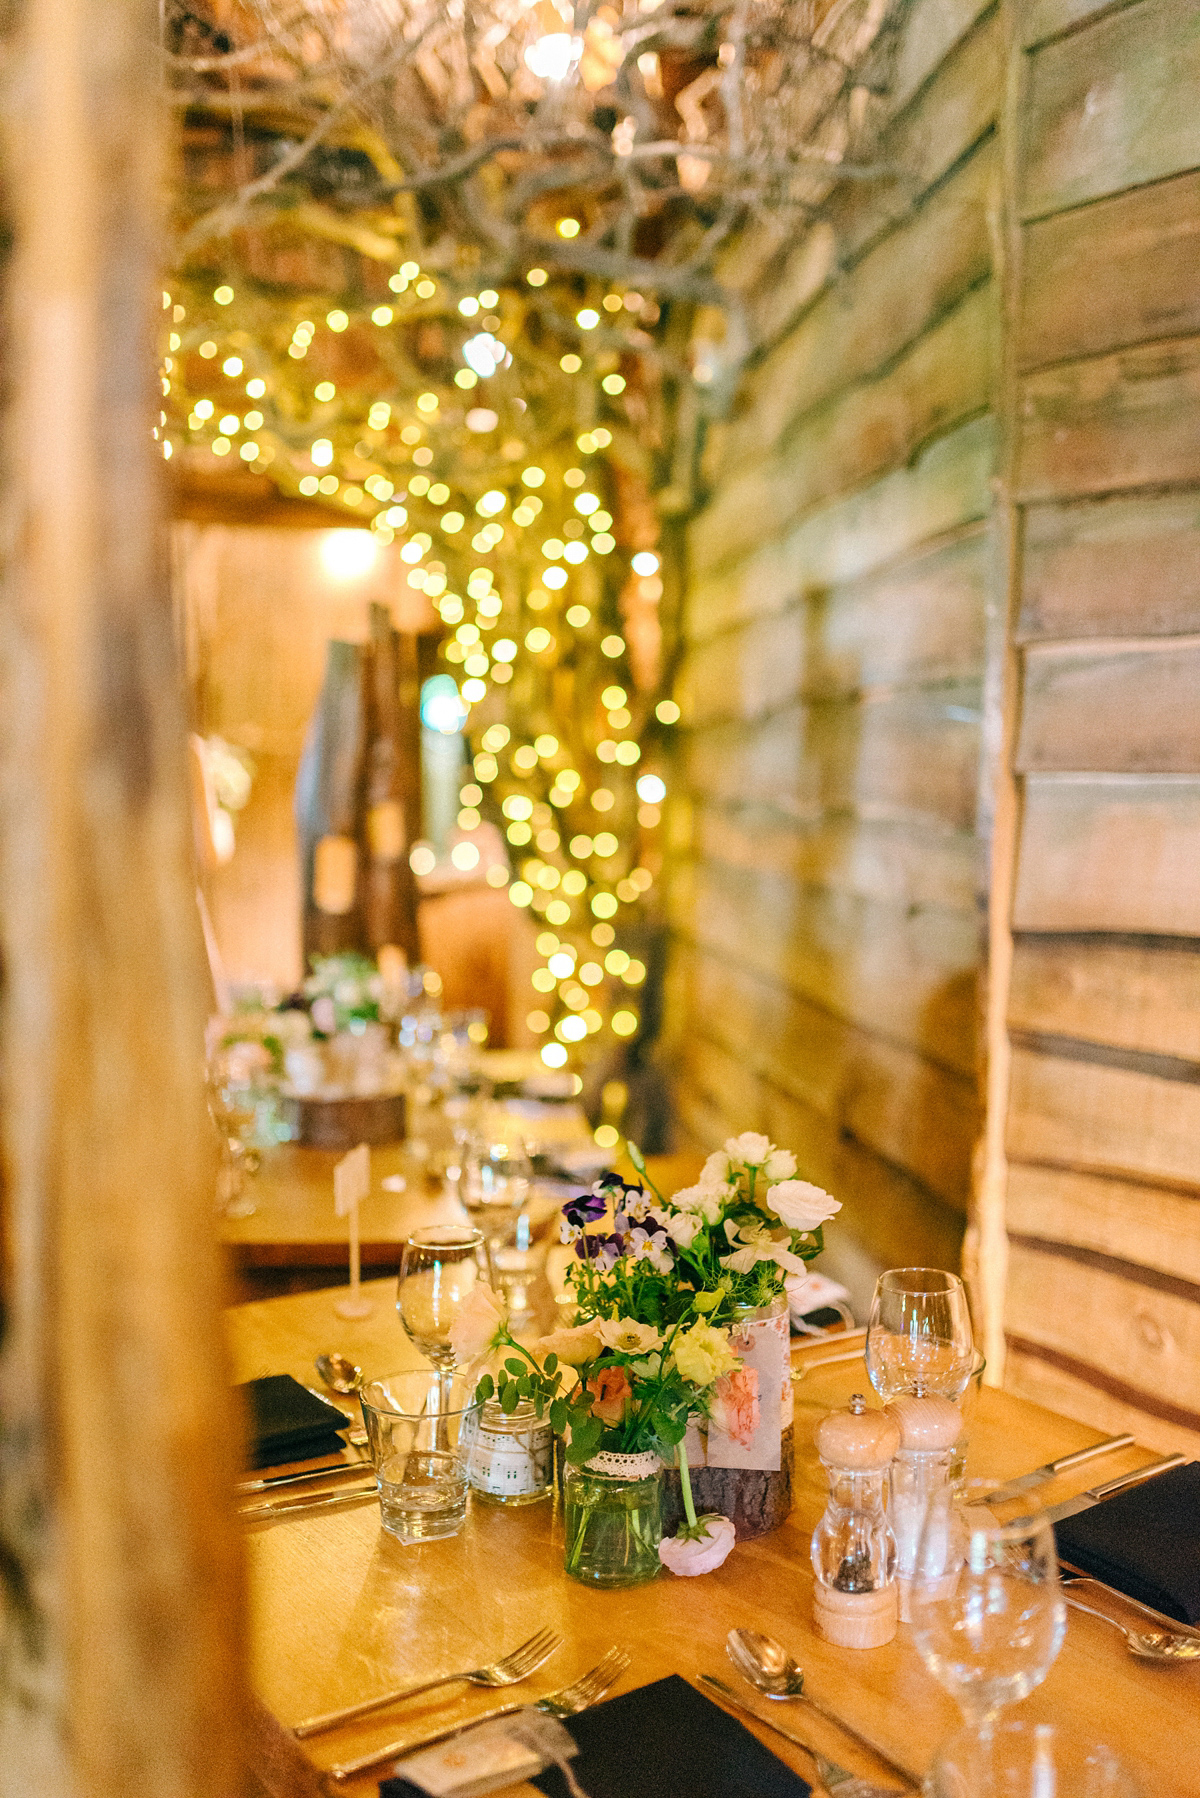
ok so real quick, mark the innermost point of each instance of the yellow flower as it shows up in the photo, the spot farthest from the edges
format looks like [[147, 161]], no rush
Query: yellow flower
[[703, 1354]]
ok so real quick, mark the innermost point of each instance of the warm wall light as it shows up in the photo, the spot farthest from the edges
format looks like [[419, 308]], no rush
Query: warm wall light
[[348, 555], [553, 56]]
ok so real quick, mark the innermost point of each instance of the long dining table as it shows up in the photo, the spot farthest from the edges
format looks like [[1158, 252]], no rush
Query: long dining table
[[340, 1610]]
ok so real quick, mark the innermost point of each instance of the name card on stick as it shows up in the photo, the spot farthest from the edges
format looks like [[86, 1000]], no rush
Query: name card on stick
[[351, 1184]]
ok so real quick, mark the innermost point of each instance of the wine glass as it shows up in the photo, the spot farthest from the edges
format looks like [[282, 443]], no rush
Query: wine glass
[[1018, 1758], [988, 1613], [439, 1266], [242, 1092], [493, 1185], [919, 1335]]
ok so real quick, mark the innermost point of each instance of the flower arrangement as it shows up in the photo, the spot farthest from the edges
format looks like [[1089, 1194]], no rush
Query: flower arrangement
[[658, 1285]]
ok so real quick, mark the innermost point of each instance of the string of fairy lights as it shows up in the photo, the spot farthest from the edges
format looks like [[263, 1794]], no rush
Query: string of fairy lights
[[495, 469]]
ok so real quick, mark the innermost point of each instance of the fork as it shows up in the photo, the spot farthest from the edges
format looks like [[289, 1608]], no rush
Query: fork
[[832, 1777], [515, 1666], [566, 1702]]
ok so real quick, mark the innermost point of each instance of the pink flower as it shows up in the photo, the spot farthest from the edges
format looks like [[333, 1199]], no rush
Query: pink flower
[[480, 1316], [734, 1406], [610, 1390], [686, 1556]]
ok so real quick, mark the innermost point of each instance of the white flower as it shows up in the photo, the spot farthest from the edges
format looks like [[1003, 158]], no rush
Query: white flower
[[480, 1317], [716, 1170], [637, 1205], [753, 1243], [686, 1556], [749, 1148], [682, 1227], [707, 1200], [628, 1336], [779, 1165], [801, 1205]]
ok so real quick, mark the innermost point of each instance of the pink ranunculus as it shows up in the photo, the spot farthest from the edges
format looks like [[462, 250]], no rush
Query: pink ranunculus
[[610, 1390], [474, 1329], [735, 1404], [687, 1557]]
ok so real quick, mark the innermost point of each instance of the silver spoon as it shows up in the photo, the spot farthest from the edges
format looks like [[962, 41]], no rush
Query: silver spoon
[[770, 1669], [1150, 1644], [339, 1373]]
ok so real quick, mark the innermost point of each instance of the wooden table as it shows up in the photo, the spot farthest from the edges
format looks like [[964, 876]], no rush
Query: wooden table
[[341, 1610]]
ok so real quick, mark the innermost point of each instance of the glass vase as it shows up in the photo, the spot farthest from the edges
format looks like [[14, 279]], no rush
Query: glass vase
[[613, 1520]]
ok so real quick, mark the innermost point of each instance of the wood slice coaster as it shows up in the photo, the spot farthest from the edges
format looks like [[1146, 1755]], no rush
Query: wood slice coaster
[[757, 1500], [343, 1123]]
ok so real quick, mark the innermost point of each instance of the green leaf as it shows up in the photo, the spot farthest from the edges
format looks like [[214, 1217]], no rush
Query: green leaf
[[486, 1387], [551, 1363], [558, 1415], [514, 1367], [510, 1398], [635, 1155]]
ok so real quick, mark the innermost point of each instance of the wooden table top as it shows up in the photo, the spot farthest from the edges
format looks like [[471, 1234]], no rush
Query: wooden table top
[[340, 1610]]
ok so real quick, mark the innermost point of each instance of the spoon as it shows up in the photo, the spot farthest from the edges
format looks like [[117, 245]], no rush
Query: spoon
[[1150, 1644], [339, 1373], [770, 1669]]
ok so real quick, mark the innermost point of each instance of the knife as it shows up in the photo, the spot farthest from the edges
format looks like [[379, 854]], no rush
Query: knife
[[270, 1481], [1028, 1480], [1071, 1507], [308, 1501], [729, 1697]]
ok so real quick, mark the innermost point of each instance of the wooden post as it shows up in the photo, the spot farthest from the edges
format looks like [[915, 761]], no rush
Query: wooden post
[[121, 1675]]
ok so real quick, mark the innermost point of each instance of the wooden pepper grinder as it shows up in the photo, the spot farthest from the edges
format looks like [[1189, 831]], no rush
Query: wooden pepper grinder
[[929, 1427], [853, 1549]]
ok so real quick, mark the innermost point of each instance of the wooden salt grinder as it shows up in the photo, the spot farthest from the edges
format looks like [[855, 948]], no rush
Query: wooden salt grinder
[[853, 1550]]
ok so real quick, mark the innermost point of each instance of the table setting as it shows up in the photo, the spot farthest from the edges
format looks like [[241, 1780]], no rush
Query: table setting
[[708, 1526]]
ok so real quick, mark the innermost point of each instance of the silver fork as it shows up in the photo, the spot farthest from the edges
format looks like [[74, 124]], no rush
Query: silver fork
[[566, 1702], [518, 1665]]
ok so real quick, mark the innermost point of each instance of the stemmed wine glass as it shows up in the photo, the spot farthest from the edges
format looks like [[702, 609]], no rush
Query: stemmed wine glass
[[988, 1614], [439, 1266], [493, 1185], [919, 1334]]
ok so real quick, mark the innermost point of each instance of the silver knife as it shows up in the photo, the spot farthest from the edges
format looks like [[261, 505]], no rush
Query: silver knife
[[360, 1466], [1071, 1507], [728, 1696], [308, 1501], [1014, 1488]]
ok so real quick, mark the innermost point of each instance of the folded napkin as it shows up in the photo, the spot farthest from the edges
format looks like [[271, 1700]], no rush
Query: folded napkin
[[662, 1741], [1144, 1542], [287, 1422]]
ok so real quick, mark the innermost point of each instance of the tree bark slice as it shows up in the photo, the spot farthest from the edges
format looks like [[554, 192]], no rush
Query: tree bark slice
[[757, 1500]]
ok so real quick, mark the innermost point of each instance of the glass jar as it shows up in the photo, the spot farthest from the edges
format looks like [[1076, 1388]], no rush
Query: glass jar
[[853, 1548], [613, 1520], [512, 1458]]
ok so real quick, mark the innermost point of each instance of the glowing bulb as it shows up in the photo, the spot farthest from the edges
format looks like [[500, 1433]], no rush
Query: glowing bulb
[[651, 789], [485, 354], [567, 227], [337, 320], [256, 388], [587, 320], [552, 58], [468, 306], [442, 708], [222, 295], [324, 390], [422, 859], [667, 712], [427, 402], [645, 562], [348, 555], [570, 363], [537, 277], [613, 383], [232, 365], [533, 477], [481, 418], [382, 315], [554, 1055]]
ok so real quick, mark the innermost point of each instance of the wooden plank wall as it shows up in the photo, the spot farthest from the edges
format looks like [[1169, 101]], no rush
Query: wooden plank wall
[[1103, 1130], [824, 893]]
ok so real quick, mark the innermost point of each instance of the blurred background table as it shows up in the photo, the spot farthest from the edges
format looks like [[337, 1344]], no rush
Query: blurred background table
[[341, 1610]]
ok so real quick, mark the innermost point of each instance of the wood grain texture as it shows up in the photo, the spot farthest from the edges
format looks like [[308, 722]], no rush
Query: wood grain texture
[[908, 1110], [906, 972], [1112, 706], [1085, 1115], [1069, 1384], [876, 858], [1038, 20], [1111, 853], [1126, 420], [1128, 565], [943, 488], [1137, 996], [1109, 107], [921, 619], [123, 1657], [342, 1610], [1119, 271], [943, 380], [908, 755], [1148, 1224], [867, 318], [1144, 1340]]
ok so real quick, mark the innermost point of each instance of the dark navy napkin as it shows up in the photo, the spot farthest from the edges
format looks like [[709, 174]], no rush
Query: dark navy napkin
[[662, 1741], [1145, 1542], [287, 1422]]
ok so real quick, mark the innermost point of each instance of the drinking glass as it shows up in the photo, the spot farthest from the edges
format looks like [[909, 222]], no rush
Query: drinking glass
[[493, 1185], [988, 1615], [1016, 1758], [421, 1430], [438, 1268], [243, 1094], [919, 1334]]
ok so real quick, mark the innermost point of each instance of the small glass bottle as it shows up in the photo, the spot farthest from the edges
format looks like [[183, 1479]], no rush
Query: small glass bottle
[[853, 1549], [512, 1458], [929, 1428]]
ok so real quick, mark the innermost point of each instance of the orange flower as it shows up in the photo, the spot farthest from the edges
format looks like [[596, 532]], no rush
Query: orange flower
[[610, 1390]]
